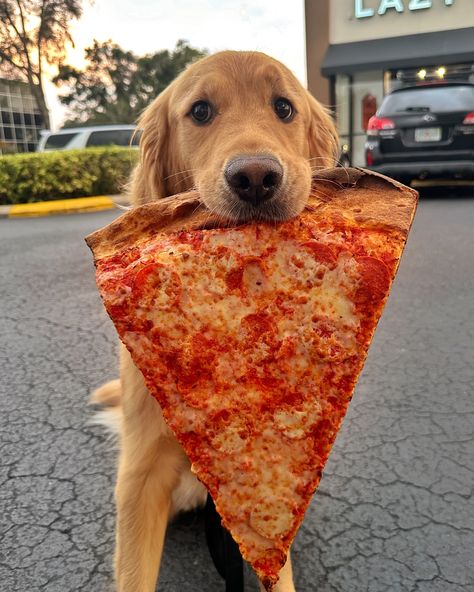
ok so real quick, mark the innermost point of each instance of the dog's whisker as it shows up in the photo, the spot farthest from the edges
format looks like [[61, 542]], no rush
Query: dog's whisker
[[324, 163], [188, 172], [324, 159], [180, 181], [233, 211], [208, 218], [316, 158]]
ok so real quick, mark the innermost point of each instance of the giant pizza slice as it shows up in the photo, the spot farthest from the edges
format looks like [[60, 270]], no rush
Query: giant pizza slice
[[252, 337]]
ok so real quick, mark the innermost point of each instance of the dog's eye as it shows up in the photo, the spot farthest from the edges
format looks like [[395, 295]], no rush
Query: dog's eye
[[283, 108], [201, 112]]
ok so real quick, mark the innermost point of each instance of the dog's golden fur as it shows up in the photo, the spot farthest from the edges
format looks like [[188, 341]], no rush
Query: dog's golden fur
[[154, 479]]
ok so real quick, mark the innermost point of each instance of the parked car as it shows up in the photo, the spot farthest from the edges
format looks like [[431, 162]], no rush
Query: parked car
[[84, 137], [424, 131]]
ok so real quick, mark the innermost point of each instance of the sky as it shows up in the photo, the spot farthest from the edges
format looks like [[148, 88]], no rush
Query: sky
[[275, 27]]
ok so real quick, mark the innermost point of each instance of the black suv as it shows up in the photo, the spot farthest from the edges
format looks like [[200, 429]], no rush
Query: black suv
[[424, 131]]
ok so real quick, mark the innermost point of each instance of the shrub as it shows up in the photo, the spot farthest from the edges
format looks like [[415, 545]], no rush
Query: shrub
[[42, 176]]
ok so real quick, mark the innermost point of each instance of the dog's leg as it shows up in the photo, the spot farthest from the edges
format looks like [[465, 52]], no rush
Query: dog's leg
[[149, 468], [285, 583], [142, 516]]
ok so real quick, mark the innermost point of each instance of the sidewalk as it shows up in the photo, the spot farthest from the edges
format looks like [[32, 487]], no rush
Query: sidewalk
[[63, 206]]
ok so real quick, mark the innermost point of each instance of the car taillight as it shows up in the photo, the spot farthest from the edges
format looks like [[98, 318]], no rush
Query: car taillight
[[379, 123], [369, 158], [469, 119]]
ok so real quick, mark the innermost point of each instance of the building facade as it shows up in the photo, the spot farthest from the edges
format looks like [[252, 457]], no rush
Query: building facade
[[360, 50], [20, 118]]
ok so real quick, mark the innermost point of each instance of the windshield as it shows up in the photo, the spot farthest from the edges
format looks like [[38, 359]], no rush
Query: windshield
[[437, 99]]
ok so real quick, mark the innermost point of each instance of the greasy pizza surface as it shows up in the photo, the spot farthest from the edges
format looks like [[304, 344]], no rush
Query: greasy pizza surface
[[251, 339]]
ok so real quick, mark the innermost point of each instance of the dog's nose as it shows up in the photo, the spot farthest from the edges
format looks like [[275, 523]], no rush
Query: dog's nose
[[254, 178]]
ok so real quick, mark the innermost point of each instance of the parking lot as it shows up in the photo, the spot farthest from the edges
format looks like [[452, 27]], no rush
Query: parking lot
[[394, 512]]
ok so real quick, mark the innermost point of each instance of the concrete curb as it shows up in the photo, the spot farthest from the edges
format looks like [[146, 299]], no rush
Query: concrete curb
[[63, 206]]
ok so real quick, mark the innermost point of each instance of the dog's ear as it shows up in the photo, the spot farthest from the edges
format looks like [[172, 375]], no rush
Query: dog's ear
[[323, 139], [151, 178]]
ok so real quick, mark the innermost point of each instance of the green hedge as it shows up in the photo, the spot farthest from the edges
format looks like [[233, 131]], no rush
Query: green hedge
[[44, 176]]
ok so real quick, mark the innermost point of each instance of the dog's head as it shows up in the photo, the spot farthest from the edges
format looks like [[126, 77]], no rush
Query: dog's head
[[241, 129]]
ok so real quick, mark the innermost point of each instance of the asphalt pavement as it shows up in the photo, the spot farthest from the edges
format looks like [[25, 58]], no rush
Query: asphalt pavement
[[394, 511]]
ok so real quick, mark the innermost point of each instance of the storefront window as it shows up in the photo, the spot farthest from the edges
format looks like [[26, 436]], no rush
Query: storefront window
[[367, 94], [343, 112], [357, 98]]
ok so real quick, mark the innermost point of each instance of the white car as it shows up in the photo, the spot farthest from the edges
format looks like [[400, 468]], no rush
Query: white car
[[85, 137]]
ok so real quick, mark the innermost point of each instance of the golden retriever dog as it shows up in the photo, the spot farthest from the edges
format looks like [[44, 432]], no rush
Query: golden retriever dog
[[241, 129]]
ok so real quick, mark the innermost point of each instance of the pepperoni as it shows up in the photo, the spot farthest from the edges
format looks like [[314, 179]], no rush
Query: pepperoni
[[321, 253], [374, 280], [160, 284], [117, 289]]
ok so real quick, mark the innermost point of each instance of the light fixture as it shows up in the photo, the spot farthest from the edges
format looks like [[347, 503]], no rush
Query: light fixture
[[441, 71], [421, 74]]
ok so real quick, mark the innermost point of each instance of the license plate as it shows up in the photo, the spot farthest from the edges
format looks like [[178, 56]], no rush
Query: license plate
[[427, 134]]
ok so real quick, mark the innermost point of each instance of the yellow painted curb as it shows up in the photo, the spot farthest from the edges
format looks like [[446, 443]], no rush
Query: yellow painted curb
[[61, 206]]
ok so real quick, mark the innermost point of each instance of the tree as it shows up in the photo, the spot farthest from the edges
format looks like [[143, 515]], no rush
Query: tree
[[117, 85], [32, 33]]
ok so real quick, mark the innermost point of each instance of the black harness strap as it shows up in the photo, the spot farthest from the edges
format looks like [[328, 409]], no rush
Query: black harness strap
[[224, 550]]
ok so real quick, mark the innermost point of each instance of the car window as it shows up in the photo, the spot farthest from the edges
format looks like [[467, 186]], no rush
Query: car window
[[108, 137], [451, 98], [58, 140]]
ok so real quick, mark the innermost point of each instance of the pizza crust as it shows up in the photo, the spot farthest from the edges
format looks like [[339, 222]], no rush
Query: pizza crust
[[367, 197]]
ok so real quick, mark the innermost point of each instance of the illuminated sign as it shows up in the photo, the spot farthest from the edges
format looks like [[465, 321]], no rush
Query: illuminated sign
[[361, 11]]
